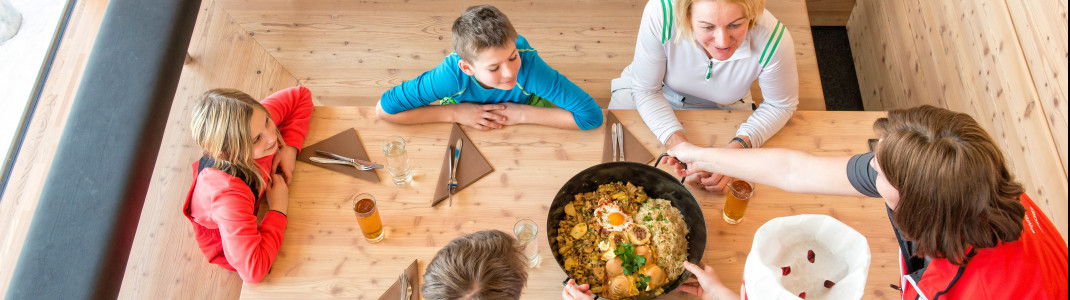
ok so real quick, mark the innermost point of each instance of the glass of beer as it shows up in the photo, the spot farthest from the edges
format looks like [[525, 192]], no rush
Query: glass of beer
[[397, 160], [525, 232], [368, 217], [736, 199]]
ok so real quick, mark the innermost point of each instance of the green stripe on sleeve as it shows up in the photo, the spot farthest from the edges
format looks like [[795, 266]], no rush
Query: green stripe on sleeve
[[775, 44], [671, 19], [664, 21], [769, 42]]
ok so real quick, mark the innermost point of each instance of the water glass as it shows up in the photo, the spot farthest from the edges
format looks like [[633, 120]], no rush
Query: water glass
[[526, 232], [367, 211], [397, 160]]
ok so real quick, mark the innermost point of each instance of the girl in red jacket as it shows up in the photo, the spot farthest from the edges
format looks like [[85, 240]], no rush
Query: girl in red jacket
[[250, 149], [965, 226]]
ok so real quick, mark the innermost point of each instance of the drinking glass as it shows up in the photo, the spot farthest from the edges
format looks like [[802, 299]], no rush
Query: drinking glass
[[739, 194], [525, 232], [397, 160], [367, 211]]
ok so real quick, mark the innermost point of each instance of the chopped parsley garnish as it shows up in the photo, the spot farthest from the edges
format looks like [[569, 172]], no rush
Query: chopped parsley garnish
[[630, 262], [643, 281]]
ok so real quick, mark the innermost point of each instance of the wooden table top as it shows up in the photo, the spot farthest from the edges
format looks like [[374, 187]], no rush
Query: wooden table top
[[324, 255]]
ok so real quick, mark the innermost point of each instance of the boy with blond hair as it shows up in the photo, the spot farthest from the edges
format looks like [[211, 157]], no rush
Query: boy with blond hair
[[493, 78]]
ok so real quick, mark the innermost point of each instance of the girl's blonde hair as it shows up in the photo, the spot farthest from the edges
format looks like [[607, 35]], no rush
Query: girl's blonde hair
[[751, 10], [220, 125]]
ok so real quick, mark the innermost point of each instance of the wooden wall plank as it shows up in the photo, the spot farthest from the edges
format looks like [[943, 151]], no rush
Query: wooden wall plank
[[1000, 61], [1042, 33], [165, 262], [42, 136], [351, 52]]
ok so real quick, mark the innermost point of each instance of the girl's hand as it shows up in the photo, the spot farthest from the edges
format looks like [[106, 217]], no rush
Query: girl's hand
[[479, 116], [576, 292], [284, 161], [709, 285], [278, 194]]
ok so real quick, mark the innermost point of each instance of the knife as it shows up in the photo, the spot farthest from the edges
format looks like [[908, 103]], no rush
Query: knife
[[352, 160], [453, 169]]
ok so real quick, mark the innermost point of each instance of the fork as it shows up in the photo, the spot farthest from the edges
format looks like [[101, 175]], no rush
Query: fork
[[340, 162], [406, 286]]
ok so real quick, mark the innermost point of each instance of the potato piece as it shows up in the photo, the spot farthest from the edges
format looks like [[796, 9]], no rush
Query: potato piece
[[578, 231], [570, 209], [571, 263]]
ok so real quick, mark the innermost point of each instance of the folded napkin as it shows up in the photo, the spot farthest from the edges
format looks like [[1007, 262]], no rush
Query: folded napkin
[[633, 149], [394, 291], [347, 144], [472, 166]]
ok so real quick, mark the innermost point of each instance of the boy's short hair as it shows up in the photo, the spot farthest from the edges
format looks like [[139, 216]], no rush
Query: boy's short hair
[[483, 265], [478, 28]]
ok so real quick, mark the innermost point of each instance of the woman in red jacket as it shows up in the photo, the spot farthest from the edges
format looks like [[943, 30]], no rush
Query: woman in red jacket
[[250, 149], [966, 229]]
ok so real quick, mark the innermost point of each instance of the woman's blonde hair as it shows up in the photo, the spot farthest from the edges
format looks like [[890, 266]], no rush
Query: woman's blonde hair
[[955, 190], [220, 125], [751, 10]]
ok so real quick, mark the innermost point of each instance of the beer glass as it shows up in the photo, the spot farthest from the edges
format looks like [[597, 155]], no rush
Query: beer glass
[[736, 199], [397, 160], [368, 217], [526, 232]]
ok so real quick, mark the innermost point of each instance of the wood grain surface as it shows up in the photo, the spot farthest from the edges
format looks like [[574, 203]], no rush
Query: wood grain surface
[[325, 256], [42, 135], [165, 262], [1001, 61], [350, 52]]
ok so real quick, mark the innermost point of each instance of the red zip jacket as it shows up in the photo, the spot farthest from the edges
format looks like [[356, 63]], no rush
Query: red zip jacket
[[223, 208], [1033, 267]]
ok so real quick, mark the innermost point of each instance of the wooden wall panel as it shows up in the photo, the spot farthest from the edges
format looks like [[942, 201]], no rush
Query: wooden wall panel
[[42, 136], [351, 52], [165, 262], [1001, 61], [1041, 28]]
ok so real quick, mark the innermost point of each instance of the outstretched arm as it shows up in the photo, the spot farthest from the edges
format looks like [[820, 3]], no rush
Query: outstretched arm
[[789, 170]]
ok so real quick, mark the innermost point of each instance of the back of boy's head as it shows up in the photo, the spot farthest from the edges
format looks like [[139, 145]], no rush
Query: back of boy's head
[[483, 265], [220, 125], [478, 28]]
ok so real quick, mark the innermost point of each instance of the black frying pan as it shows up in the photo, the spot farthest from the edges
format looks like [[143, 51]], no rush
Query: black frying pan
[[656, 183]]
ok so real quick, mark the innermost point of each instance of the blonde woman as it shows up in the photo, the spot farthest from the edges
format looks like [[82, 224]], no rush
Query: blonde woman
[[705, 54], [250, 149]]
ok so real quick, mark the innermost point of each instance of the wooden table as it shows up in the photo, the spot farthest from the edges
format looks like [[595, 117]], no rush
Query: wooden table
[[323, 254]]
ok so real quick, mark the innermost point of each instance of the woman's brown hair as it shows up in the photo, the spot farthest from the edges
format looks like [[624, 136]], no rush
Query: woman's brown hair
[[483, 265], [954, 188]]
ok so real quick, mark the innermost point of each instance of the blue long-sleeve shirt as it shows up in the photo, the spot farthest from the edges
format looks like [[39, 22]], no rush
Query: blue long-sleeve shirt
[[535, 78]]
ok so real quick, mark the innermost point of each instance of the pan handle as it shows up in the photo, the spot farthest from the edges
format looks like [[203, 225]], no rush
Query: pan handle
[[656, 162]]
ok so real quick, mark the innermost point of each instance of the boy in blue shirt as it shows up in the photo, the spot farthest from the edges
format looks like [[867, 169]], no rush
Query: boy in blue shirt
[[493, 78]]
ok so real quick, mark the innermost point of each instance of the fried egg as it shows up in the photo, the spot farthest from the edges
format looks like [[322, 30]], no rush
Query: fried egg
[[612, 218]]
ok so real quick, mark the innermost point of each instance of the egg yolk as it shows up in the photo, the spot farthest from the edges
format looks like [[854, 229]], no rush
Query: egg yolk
[[616, 219]]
